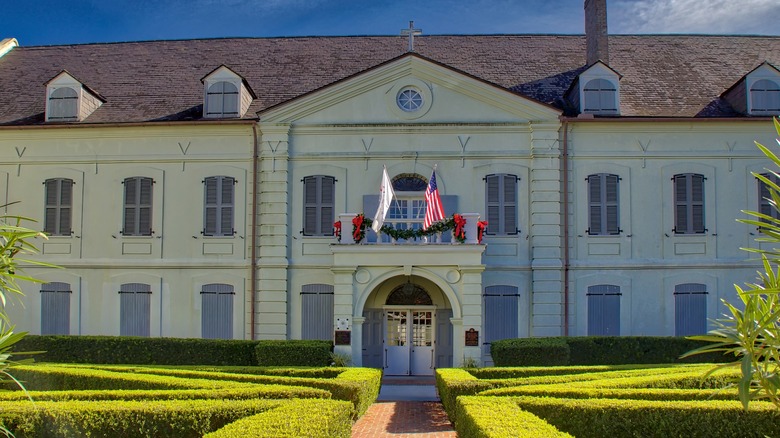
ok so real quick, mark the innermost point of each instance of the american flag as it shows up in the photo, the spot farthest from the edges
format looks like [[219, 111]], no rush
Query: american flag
[[433, 211]]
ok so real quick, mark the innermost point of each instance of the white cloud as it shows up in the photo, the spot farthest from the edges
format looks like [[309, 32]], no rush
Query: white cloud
[[695, 16]]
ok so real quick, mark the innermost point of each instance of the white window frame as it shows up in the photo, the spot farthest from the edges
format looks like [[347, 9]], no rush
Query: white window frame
[[498, 223], [603, 204], [322, 226], [138, 207], [59, 108], [767, 92], [599, 97], [220, 97], [689, 204]]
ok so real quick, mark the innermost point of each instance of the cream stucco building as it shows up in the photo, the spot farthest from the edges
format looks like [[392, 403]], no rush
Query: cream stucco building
[[190, 188]]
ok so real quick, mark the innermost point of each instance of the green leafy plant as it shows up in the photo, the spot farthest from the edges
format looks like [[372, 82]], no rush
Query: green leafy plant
[[340, 360], [752, 333]]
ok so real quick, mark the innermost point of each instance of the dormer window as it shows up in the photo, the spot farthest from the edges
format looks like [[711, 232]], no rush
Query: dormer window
[[600, 97], [765, 97], [63, 104], [69, 100], [227, 95], [596, 91]]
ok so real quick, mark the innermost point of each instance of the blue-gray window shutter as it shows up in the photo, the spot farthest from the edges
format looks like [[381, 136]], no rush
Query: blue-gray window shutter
[[222, 100], [317, 311], [599, 95], [318, 205], [689, 203], [603, 207], [63, 104], [604, 310], [219, 194], [690, 309], [500, 314], [138, 206], [501, 204], [135, 309], [217, 311], [59, 202], [765, 197], [55, 308]]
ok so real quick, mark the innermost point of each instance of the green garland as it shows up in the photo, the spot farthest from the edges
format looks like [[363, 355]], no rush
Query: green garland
[[435, 228]]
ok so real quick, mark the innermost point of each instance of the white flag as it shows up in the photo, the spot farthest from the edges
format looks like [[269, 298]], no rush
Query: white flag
[[386, 196]]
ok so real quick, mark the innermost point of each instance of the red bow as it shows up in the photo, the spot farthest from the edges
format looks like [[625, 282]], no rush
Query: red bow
[[460, 222], [337, 229], [481, 226], [357, 221]]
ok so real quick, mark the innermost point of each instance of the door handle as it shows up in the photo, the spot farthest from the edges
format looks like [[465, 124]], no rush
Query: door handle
[[385, 357], [431, 359]]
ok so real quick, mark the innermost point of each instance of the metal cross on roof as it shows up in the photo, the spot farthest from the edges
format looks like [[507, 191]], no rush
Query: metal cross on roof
[[411, 32]]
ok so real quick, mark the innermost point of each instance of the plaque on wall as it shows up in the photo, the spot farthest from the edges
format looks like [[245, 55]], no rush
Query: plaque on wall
[[472, 338], [343, 337]]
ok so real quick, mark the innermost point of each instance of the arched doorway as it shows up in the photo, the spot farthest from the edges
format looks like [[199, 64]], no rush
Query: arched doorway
[[407, 332]]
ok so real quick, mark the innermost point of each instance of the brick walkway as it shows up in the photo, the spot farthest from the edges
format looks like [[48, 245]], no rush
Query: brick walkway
[[404, 419]]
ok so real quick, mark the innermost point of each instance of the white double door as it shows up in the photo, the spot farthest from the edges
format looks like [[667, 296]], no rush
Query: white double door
[[409, 341]]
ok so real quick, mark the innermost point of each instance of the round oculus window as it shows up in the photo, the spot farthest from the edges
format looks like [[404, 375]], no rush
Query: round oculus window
[[409, 100]]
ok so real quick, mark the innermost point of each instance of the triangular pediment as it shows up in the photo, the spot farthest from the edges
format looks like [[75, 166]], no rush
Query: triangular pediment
[[444, 94]]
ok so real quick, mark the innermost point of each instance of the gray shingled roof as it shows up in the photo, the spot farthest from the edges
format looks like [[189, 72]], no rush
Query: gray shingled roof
[[662, 75]]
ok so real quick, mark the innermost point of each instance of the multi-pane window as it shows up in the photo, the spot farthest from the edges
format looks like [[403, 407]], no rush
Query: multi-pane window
[[603, 210], [690, 309], [55, 308], [600, 97], [317, 311], [765, 203], [765, 97], [689, 203], [222, 100], [59, 203], [318, 205], [219, 194], [501, 304], [135, 309], [138, 206], [501, 197], [63, 104], [217, 311], [603, 310]]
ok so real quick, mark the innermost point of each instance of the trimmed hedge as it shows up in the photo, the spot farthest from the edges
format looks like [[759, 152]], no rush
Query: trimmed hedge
[[520, 372], [530, 352], [300, 418], [42, 377], [174, 351], [569, 391], [170, 418], [234, 393], [599, 350], [357, 385], [600, 418], [135, 350], [299, 353], [452, 383], [477, 418]]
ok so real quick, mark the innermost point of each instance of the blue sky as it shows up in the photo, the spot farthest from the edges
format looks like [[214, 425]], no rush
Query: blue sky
[[46, 22]]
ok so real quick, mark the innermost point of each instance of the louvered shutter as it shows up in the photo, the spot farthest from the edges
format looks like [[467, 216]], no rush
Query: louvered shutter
[[55, 308], [611, 204], [227, 206], [135, 309], [500, 314], [210, 219], [327, 199], [230, 100], [501, 197], [765, 197], [317, 311], [52, 203], [594, 205], [689, 203], [131, 195], [65, 205], [217, 311], [145, 207], [690, 309], [603, 310], [63, 104], [310, 205], [214, 99]]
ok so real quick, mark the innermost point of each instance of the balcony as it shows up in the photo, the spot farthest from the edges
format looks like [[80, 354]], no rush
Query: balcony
[[468, 223]]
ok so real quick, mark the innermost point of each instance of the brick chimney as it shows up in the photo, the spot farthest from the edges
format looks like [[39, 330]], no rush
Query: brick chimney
[[596, 31]]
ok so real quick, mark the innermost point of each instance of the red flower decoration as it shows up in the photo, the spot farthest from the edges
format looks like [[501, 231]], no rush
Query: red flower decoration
[[460, 222], [337, 229], [481, 227]]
